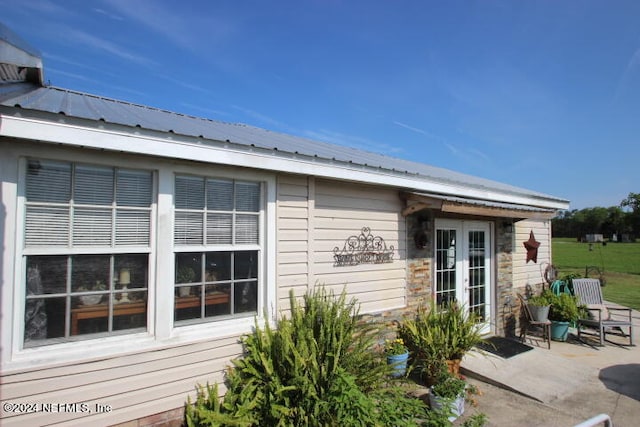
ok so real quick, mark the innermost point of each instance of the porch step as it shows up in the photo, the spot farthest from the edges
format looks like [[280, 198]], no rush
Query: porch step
[[537, 374]]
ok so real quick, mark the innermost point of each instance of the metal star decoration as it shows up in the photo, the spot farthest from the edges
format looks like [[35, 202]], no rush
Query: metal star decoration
[[532, 246]]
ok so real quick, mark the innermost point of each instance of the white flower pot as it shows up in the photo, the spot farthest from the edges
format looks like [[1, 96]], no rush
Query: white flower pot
[[456, 406]]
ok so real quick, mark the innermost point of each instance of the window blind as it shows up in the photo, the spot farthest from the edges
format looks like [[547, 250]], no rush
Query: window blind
[[86, 205]]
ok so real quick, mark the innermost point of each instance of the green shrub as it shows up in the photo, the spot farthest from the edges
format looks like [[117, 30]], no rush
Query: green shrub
[[439, 334], [563, 307], [476, 420], [539, 300], [318, 368]]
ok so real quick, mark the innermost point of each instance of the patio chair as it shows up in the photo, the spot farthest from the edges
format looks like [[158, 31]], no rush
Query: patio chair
[[527, 323], [600, 318]]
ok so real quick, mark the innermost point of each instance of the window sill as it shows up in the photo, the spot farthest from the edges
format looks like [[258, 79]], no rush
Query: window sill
[[92, 350]]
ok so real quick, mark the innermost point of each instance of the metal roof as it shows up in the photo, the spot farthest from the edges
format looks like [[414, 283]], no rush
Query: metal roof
[[100, 109]]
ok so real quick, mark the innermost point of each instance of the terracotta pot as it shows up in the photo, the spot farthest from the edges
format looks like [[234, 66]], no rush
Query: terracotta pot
[[454, 367]]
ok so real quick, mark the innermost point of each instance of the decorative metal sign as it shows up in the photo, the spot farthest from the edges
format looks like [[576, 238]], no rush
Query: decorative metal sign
[[363, 249]]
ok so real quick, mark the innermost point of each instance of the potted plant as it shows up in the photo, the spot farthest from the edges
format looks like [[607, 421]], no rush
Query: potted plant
[[185, 275], [397, 356], [539, 306], [442, 334], [448, 394], [564, 310]]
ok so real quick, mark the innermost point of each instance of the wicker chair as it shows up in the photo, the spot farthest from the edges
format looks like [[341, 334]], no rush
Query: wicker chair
[[527, 323], [589, 294]]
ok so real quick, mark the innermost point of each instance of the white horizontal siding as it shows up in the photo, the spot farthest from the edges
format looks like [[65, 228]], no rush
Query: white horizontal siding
[[292, 225], [335, 211], [341, 211], [160, 380], [530, 273]]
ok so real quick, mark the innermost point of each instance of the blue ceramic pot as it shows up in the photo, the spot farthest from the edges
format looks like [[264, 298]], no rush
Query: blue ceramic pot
[[399, 364], [559, 330]]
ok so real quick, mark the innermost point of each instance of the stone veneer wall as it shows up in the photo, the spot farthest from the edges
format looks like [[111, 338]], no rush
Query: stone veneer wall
[[419, 275], [507, 307]]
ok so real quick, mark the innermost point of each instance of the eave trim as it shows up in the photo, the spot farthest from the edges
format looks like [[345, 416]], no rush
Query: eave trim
[[477, 207]]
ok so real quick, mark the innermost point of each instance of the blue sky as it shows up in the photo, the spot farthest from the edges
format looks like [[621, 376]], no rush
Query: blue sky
[[543, 95]]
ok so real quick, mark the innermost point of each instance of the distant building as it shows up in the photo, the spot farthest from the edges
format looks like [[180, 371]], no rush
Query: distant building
[[594, 238]]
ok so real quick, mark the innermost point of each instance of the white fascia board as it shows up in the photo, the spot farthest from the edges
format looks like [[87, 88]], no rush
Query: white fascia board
[[187, 148], [20, 57]]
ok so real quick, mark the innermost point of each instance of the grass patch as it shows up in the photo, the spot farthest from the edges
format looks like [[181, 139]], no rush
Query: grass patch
[[620, 262]]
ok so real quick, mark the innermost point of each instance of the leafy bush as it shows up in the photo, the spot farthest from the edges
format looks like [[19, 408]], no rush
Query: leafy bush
[[539, 300], [448, 386], [476, 420], [438, 334], [563, 307], [317, 369]]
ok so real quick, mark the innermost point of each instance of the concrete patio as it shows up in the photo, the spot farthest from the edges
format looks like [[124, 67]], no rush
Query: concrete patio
[[564, 386]]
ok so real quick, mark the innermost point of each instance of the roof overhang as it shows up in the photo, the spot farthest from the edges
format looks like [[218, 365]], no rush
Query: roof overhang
[[18, 60], [65, 130], [477, 207]]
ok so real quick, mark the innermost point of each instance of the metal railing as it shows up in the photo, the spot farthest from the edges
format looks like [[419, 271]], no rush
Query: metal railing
[[602, 418]]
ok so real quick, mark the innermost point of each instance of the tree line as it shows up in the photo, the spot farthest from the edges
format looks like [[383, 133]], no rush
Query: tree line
[[622, 220]]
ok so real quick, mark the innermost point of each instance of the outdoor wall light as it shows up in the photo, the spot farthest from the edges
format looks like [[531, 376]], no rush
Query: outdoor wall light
[[508, 226], [421, 236]]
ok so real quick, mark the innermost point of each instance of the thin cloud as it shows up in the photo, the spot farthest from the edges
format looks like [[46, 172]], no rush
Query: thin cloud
[[47, 7], [71, 75], [76, 64], [471, 155], [261, 117], [93, 42], [109, 86], [210, 112], [180, 29], [478, 153], [109, 15], [185, 84], [352, 141], [632, 69], [419, 131], [411, 128], [452, 149]]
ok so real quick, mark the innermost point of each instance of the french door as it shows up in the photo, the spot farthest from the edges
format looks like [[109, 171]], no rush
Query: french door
[[463, 266]]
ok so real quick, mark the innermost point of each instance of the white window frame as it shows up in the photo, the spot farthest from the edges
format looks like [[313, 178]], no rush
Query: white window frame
[[22, 355], [71, 249], [214, 328], [232, 247], [161, 332]]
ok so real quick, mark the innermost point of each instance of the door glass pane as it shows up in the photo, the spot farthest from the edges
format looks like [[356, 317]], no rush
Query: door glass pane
[[477, 273], [445, 266]]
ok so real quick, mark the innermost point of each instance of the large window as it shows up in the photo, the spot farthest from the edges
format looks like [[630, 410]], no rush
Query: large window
[[86, 247], [217, 241]]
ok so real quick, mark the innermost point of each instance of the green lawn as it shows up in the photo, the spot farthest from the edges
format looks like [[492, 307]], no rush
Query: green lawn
[[620, 262]]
